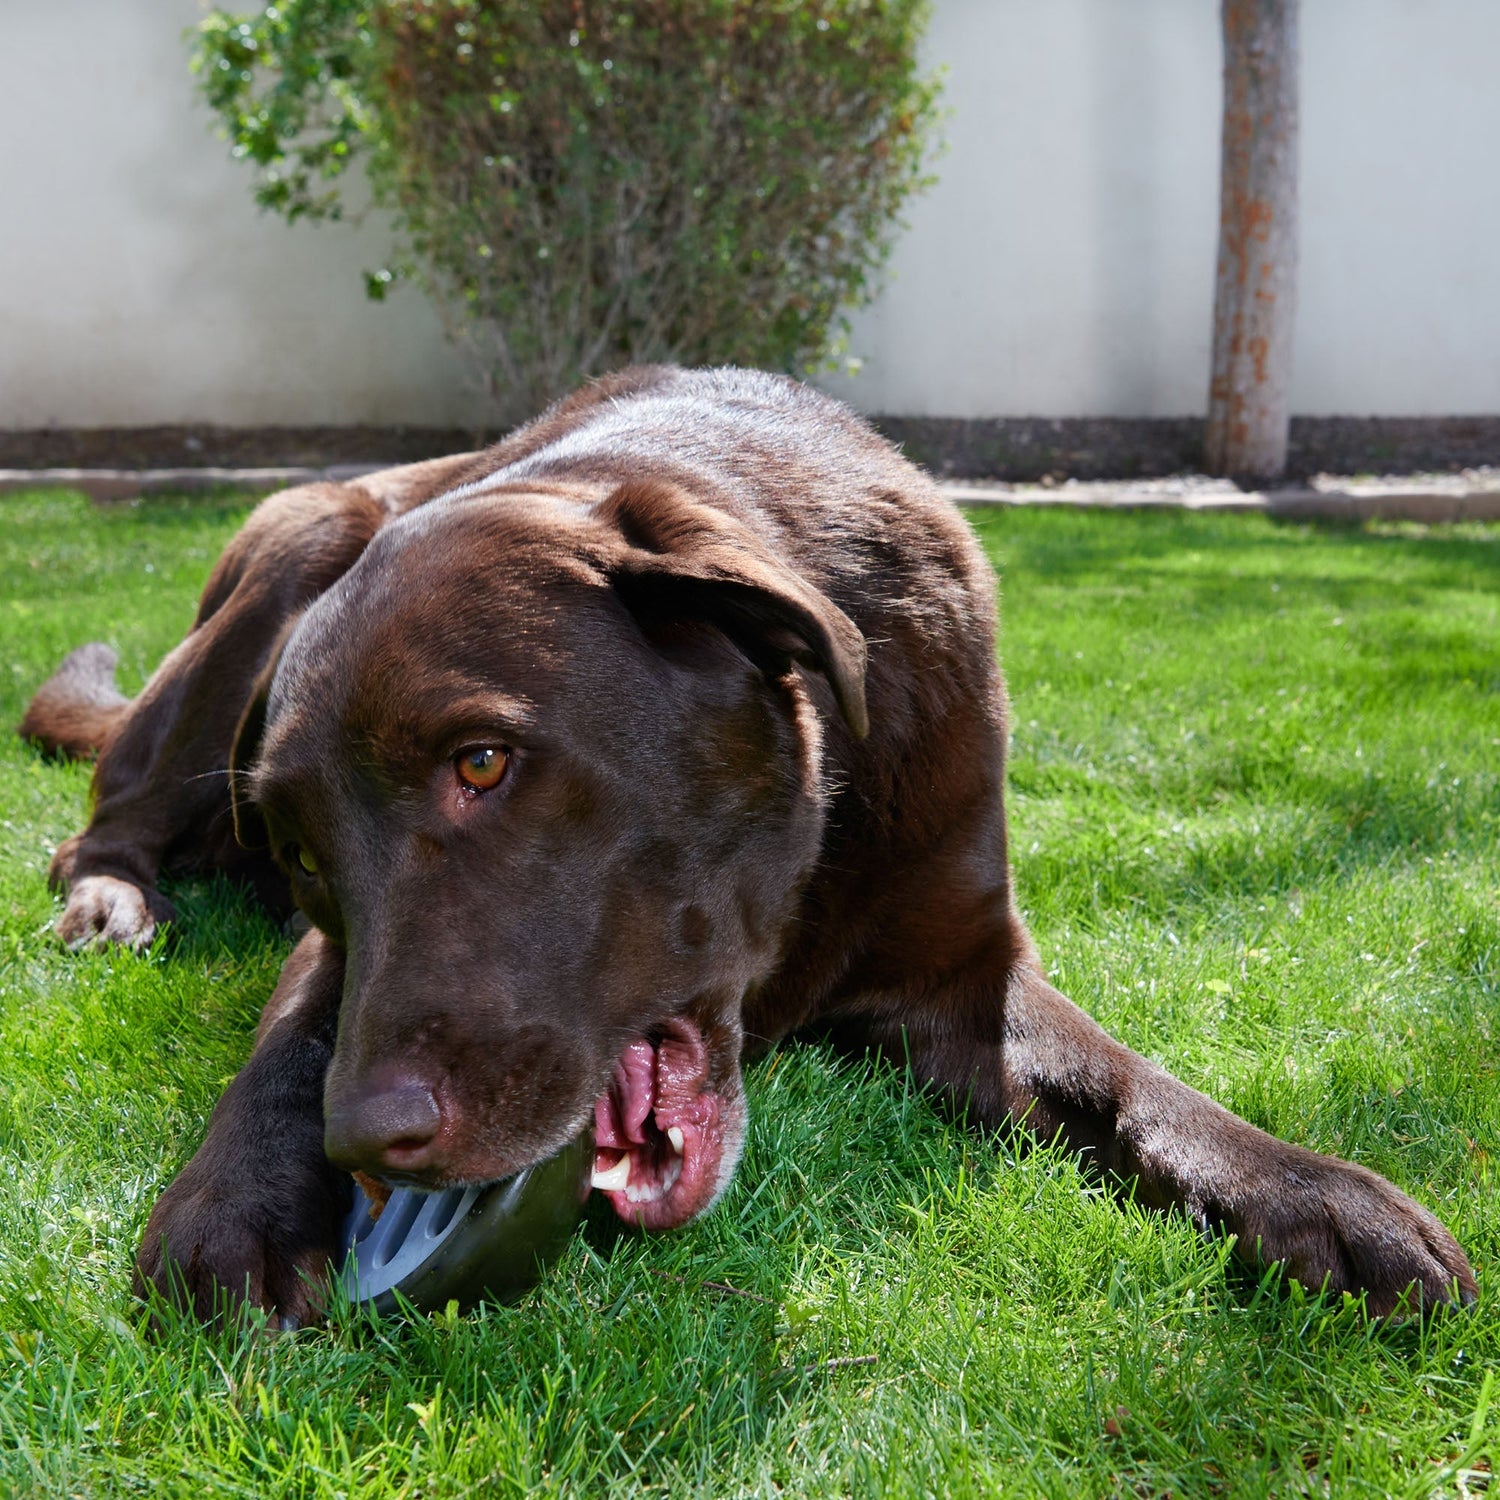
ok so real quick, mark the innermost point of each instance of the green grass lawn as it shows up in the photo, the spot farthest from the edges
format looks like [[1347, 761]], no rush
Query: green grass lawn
[[1255, 802]]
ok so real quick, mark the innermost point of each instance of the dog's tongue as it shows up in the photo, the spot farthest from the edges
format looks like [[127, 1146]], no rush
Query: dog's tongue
[[657, 1136], [624, 1108]]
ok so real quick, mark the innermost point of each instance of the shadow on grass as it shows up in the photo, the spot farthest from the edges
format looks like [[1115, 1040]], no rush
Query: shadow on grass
[[1308, 833]]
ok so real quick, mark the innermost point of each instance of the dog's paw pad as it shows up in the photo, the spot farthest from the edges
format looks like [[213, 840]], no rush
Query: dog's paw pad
[[104, 910]]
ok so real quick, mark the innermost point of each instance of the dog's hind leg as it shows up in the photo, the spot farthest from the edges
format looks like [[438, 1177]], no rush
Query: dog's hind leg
[[160, 787], [76, 710]]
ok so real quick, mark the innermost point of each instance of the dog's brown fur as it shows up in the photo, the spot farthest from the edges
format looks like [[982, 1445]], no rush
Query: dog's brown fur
[[741, 656]]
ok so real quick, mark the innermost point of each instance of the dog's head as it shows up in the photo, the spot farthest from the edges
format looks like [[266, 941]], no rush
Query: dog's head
[[548, 773]]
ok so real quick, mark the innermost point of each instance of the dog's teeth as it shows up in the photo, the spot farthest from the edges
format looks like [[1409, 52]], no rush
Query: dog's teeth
[[672, 1176], [674, 1134], [615, 1179]]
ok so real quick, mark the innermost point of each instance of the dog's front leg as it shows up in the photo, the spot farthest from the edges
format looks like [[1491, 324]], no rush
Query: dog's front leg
[[1057, 1072], [254, 1217]]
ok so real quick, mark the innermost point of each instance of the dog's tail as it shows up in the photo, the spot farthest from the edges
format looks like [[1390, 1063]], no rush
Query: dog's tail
[[76, 710]]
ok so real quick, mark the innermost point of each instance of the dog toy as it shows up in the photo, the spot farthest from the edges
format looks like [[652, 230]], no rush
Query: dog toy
[[465, 1245]]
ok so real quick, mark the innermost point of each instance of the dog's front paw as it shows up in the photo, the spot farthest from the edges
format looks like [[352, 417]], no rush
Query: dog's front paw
[[103, 909], [1332, 1223], [208, 1251], [64, 862]]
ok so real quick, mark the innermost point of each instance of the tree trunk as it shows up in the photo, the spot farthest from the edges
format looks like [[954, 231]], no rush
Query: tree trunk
[[1255, 299]]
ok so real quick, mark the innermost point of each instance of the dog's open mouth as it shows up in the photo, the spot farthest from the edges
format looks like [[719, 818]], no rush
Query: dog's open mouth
[[660, 1131]]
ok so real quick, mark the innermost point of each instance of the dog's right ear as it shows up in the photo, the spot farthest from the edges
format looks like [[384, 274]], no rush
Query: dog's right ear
[[249, 828], [682, 557]]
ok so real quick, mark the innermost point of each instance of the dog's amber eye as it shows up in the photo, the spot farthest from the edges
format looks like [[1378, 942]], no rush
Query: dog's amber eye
[[481, 769], [303, 857]]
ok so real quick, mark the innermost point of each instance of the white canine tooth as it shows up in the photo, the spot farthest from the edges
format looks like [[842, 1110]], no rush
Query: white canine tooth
[[616, 1178], [674, 1134]]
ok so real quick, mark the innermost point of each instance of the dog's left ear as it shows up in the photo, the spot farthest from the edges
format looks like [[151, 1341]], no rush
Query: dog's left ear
[[682, 557], [249, 829]]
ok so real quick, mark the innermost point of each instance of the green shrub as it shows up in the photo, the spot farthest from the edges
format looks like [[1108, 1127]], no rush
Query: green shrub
[[581, 185]]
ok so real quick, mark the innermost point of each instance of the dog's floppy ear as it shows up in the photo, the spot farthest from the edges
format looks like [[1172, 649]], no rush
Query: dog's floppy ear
[[249, 829], [686, 558]]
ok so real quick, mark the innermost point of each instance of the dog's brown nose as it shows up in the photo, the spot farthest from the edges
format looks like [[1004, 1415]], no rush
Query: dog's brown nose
[[393, 1130]]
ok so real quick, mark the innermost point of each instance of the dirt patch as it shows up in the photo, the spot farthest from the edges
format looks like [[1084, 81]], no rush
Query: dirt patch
[[228, 447], [1029, 449]]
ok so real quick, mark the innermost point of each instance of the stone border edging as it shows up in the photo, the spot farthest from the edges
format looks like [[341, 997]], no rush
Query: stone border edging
[[1436, 501], [1333, 501]]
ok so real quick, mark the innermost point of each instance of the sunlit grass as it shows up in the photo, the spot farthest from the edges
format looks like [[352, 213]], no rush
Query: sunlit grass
[[1255, 810]]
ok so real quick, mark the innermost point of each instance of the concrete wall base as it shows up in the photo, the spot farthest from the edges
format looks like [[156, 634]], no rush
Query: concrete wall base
[[1012, 449]]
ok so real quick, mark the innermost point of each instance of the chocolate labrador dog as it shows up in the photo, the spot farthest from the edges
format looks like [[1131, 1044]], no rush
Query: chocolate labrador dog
[[599, 762]]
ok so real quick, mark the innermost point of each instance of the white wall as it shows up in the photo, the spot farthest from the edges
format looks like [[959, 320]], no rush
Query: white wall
[[1063, 265], [139, 284], [1401, 208]]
